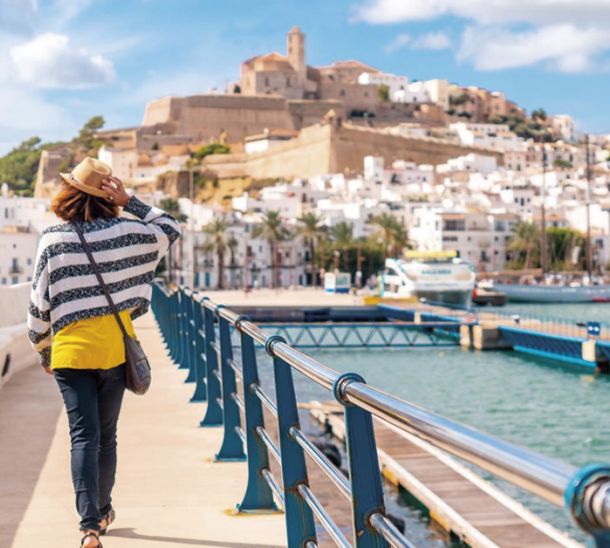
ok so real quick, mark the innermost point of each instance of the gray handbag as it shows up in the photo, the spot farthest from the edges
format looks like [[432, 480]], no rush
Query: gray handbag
[[137, 368]]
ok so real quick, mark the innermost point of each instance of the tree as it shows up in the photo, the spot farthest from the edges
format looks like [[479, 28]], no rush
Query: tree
[[172, 207], [539, 114], [212, 148], [342, 235], [562, 242], [86, 136], [273, 230], [562, 164], [525, 243], [390, 233], [383, 92], [18, 168], [312, 230], [217, 241]]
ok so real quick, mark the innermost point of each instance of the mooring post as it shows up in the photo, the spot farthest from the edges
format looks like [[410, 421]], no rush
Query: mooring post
[[232, 447], [364, 473], [300, 527], [258, 495], [213, 412], [198, 350]]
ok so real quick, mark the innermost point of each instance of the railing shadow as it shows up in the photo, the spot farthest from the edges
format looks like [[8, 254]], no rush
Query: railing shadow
[[30, 405], [131, 533]]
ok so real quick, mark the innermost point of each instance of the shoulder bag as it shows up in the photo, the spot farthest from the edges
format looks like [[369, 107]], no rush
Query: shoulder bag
[[137, 368]]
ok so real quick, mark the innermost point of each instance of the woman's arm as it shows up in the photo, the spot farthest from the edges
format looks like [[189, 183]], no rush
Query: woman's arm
[[166, 228], [38, 319]]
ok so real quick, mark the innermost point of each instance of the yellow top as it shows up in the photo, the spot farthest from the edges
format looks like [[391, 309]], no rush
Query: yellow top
[[91, 343]]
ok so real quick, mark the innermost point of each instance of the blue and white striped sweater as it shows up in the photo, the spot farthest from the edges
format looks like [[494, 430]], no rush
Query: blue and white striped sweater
[[64, 286]]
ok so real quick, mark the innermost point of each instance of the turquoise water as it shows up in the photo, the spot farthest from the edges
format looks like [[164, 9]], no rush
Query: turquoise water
[[579, 312], [553, 409]]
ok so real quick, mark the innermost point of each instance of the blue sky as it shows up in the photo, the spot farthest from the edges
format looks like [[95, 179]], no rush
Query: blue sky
[[62, 61]]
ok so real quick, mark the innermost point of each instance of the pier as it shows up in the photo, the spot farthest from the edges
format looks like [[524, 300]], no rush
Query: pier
[[226, 459], [261, 424]]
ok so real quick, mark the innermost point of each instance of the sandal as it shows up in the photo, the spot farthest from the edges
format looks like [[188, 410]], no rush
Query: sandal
[[94, 535], [107, 521]]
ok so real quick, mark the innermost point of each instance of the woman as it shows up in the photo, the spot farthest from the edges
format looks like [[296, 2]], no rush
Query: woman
[[71, 325]]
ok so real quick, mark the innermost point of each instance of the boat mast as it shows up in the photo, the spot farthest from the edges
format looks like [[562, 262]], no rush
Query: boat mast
[[543, 244], [588, 241]]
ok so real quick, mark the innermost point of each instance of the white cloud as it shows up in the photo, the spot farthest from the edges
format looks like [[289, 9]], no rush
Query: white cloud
[[566, 35], [566, 47], [433, 41], [398, 43], [49, 61], [487, 11]]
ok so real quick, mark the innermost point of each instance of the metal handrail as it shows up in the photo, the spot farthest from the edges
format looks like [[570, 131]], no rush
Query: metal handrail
[[585, 491]]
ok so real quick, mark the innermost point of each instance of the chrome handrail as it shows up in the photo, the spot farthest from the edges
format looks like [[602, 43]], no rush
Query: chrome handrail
[[584, 491]]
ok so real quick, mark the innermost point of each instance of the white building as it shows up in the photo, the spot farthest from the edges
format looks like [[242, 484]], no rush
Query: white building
[[123, 161], [496, 136], [394, 82], [18, 247], [563, 127], [479, 238]]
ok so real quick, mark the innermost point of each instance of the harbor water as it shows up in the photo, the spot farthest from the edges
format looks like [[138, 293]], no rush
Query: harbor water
[[551, 408]]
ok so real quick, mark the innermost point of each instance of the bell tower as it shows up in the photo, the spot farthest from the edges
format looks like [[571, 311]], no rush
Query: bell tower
[[296, 53]]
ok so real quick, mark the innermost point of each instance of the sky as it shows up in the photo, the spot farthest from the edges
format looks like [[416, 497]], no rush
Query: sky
[[63, 61]]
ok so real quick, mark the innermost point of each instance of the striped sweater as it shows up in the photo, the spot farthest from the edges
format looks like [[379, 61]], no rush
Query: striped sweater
[[64, 286]]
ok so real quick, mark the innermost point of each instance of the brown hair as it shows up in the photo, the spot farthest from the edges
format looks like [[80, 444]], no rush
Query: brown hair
[[71, 204]]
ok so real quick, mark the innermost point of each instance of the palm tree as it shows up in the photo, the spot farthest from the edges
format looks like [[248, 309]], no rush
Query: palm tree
[[342, 235], [526, 241], [217, 241], [232, 244], [312, 230], [272, 230], [391, 233]]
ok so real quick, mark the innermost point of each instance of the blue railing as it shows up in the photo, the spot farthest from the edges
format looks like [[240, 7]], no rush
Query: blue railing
[[198, 336]]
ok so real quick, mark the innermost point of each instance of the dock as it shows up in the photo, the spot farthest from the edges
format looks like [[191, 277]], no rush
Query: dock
[[463, 504]]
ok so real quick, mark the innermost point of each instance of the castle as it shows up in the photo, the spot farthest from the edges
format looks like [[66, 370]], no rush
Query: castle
[[277, 92]]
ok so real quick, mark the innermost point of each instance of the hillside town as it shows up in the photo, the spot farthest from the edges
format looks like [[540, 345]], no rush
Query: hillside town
[[294, 170]]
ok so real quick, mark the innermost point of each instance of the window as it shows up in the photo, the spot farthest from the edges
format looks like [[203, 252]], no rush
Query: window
[[342, 93], [454, 224]]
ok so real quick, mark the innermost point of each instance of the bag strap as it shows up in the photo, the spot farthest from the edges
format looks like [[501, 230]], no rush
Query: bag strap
[[98, 275]]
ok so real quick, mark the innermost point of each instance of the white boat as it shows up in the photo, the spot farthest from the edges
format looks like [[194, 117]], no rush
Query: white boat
[[436, 277], [555, 293]]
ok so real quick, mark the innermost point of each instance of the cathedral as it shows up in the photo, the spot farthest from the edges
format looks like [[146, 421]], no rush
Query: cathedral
[[289, 76]]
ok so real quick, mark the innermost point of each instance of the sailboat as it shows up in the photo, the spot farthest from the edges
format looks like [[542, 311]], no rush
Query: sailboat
[[586, 291]]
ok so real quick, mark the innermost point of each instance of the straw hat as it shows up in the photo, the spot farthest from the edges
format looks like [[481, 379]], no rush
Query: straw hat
[[88, 176]]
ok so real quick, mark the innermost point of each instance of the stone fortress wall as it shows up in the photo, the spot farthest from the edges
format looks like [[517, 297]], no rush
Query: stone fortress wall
[[331, 148]]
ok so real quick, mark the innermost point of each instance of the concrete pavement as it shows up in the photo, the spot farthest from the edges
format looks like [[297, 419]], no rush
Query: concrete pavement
[[168, 493]]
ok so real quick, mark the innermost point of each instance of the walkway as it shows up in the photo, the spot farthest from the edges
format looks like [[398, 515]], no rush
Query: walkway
[[169, 492]]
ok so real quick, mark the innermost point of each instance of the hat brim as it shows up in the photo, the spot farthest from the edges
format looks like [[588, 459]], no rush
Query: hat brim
[[84, 188]]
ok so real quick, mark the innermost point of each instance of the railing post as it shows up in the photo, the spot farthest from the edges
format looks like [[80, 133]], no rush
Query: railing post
[[213, 412], [182, 324], [364, 473], [173, 327], [300, 527], [198, 350], [587, 485], [190, 337], [232, 448], [258, 494]]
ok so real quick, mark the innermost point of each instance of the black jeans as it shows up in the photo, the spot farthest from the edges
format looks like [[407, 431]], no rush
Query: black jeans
[[93, 401]]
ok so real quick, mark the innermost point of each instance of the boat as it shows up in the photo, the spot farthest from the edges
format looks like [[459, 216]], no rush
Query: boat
[[485, 294], [439, 277], [555, 293]]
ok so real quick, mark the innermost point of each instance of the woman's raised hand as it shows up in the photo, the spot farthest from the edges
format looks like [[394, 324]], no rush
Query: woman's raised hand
[[115, 189]]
